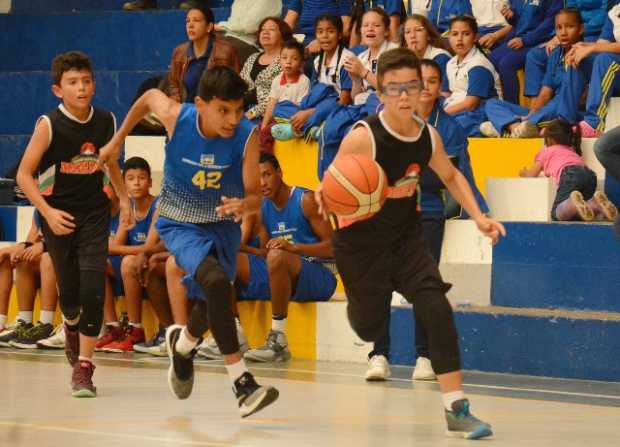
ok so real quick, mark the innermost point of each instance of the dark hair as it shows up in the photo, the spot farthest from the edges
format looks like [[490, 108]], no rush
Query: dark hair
[[285, 30], [73, 60], [294, 45], [574, 11], [431, 63], [434, 38], [204, 9], [396, 59], [466, 18], [334, 20], [221, 82], [137, 163], [562, 132], [269, 158]]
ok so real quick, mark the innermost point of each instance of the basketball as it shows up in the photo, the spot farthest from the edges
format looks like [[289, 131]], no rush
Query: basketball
[[354, 187]]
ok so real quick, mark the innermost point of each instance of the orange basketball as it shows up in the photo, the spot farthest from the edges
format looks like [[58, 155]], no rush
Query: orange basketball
[[354, 187]]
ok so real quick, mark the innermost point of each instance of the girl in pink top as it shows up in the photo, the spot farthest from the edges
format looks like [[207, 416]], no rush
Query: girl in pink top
[[560, 159]]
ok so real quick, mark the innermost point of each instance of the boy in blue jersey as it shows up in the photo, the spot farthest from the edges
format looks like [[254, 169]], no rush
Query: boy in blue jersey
[[298, 264], [210, 182]]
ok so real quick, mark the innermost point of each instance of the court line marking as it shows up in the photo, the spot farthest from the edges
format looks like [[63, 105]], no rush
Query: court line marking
[[114, 435], [163, 360]]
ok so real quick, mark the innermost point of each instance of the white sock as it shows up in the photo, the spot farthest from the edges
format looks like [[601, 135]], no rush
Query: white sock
[[85, 359], [236, 370], [278, 325], [136, 325], [2, 321], [184, 345], [47, 316], [25, 315], [113, 323], [451, 397]]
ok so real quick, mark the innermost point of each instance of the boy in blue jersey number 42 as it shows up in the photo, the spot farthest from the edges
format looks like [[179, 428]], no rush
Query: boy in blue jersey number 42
[[210, 181]]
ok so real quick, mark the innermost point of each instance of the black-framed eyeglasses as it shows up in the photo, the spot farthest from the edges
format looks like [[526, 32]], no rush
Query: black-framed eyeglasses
[[396, 88]]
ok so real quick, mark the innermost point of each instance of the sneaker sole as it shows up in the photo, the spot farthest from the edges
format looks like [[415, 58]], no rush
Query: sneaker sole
[[479, 433], [84, 393], [609, 209], [44, 346], [270, 396], [5, 344], [583, 210], [432, 378], [376, 379], [18, 345]]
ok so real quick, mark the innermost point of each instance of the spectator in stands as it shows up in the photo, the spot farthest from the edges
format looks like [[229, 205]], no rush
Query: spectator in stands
[[203, 51], [533, 26], [298, 264], [241, 27], [594, 14], [128, 243], [560, 159], [363, 68], [395, 9], [435, 209], [472, 77], [421, 37], [32, 267], [287, 91], [141, 5], [301, 17], [519, 122], [263, 66], [492, 23], [603, 56], [421, 7], [442, 11], [607, 150]]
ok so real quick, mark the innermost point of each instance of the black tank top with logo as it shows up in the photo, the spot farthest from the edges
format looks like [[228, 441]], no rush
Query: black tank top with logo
[[68, 175], [403, 159]]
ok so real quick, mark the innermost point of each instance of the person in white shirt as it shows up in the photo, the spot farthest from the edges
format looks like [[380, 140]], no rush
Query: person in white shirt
[[421, 7]]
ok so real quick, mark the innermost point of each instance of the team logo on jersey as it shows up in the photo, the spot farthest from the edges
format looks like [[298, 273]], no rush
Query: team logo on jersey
[[407, 185], [84, 163], [140, 237], [207, 159], [281, 226]]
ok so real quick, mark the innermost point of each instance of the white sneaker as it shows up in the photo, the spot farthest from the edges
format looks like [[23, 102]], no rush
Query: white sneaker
[[525, 129], [54, 341], [378, 369], [275, 349], [488, 130], [423, 370], [208, 349]]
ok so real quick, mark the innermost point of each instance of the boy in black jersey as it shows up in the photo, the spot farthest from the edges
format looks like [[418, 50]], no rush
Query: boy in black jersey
[[386, 253], [75, 210]]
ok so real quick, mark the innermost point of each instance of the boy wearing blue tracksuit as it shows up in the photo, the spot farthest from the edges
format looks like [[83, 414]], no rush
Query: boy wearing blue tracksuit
[[594, 14], [534, 25]]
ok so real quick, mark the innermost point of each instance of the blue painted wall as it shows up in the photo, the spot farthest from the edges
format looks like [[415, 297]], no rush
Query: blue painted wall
[[8, 222], [553, 347], [11, 148], [571, 266]]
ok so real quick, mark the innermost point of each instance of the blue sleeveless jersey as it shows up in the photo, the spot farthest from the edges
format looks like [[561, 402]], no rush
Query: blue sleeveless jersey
[[198, 171], [137, 235], [289, 222]]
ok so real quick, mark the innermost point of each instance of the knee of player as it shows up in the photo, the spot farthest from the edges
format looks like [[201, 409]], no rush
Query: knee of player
[[128, 265], [277, 259], [212, 277]]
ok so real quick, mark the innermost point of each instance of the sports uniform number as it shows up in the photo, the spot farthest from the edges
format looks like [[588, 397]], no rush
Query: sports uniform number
[[205, 180]]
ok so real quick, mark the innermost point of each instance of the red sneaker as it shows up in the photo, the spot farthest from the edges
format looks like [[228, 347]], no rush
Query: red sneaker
[[132, 336], [588, 131], [82, 380], [72, 344], [111, 334]]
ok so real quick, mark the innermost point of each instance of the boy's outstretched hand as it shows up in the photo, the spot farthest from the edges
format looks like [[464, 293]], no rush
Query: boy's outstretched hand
[[109, 152], [490, 228]]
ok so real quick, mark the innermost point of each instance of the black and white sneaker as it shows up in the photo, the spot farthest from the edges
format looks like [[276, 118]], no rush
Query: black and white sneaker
[[252, 397], [181, 370]]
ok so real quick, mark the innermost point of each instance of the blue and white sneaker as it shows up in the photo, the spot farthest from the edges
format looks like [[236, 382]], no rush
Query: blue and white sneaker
[[153, 346], [462, 424]]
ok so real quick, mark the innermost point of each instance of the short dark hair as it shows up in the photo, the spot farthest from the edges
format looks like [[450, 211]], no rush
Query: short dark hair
[[396, 59], [221, 82], [465, 18], [331, 18], [285, 30], [72, 60], [137, 163], [204, 9], [431, 63], [574, 12], [294, 45], [270, 158]]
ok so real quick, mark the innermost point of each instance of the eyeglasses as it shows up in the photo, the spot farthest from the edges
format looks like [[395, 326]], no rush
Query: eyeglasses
[[396, 89]]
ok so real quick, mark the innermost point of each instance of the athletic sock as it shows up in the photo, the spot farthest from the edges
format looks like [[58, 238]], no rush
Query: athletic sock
[[236, 370], [451, 397], [278, 323], [113, 324], [136, 325], [47, 316], [25, 315], [83, 358], [2, 321], [184, 345]]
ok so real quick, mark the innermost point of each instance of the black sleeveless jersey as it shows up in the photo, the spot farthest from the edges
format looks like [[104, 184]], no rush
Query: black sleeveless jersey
[[69, 178], [403, 159]]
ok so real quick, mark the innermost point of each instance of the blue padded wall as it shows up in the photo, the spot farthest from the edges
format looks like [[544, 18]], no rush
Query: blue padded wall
[[539, 346], [557, 265], [25, 6]]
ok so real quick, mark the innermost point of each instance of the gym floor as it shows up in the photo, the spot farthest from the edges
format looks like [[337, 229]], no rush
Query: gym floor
[[320, 404]]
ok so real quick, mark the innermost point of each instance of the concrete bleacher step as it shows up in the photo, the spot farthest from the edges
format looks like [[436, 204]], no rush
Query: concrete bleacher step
[[520, 199], [115, 40], [557, 265], [46, 6]]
